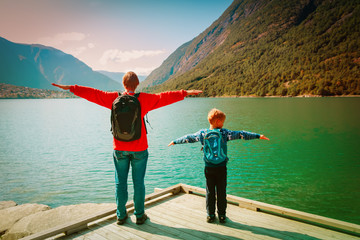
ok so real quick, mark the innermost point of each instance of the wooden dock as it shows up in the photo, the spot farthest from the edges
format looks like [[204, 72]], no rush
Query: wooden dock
[[179, 212]]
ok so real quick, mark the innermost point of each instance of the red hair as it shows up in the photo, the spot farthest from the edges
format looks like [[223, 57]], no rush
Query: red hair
[[216, 114], [130, 81]]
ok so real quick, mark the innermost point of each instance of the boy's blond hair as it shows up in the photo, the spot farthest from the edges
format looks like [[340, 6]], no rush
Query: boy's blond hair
[[130, 81], [216, 114]]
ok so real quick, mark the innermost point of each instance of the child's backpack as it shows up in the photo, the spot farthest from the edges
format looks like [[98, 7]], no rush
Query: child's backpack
[[214, 146], [126, 118]]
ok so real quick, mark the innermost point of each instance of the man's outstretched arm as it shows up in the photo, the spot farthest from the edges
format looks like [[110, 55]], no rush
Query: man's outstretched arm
[[94, 95], [193, 92], [64, 87]]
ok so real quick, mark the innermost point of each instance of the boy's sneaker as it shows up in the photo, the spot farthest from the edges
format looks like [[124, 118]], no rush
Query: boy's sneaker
[[142, 219], [121, 221], [210, 219], [222, 219]]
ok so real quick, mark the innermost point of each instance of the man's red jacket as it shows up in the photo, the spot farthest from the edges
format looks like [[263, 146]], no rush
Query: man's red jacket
[[147, 101]]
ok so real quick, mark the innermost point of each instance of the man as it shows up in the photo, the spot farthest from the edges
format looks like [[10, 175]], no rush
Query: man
[[134, 152]]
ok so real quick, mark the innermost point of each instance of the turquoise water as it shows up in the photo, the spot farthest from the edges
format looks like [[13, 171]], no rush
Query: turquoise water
[[59, 151]]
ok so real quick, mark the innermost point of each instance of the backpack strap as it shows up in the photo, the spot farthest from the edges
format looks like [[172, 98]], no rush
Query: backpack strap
[[135, 95], [145, 119]]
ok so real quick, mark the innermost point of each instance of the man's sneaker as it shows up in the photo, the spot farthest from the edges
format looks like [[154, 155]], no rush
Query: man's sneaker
[[210, 219], [222, 219], [121, 221], [142, 219]]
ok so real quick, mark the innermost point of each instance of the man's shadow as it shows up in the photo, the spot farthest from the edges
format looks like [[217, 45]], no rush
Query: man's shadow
[[187, 233]]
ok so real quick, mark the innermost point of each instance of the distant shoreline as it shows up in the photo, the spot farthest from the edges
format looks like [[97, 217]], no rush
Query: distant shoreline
[[8, 91], [301, 96]]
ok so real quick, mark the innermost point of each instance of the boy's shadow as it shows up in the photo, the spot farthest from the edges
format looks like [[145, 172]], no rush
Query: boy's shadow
[[268, 231], [187, 233]]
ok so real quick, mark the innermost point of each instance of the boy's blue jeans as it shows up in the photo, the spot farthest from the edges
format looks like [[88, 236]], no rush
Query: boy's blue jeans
[[122, 162], [216, 181]]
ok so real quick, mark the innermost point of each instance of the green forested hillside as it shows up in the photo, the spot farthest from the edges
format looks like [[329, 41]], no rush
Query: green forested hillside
[[280, 47], [163, 73]]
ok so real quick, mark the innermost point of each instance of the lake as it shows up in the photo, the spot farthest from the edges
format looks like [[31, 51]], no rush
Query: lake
[[59, 151]]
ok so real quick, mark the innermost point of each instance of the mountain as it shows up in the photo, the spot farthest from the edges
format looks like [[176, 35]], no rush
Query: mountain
[[263, 47], [37, 66], [169, 67], [117, 76]]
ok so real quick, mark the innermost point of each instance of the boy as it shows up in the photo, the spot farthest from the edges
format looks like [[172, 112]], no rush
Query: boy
[[214, 141], [133, 152]]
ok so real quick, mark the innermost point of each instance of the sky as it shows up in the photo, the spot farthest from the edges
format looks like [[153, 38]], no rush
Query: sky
[[110, 35]]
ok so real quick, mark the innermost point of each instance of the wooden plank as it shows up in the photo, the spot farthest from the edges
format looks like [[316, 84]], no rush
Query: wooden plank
[[299, 215], [192, 189], [116, 232], [82, 223], [287, 226], [290, 227], [94, 235], [136, 231], [231, 230], [258, 221], [190, 228], [169, 217], [197, 220], [286, 212], [163, 228], [78, 235], [175, 227], [146, 231]]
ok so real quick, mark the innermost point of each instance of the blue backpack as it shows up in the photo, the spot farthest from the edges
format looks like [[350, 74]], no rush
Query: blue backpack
[[214, 146]]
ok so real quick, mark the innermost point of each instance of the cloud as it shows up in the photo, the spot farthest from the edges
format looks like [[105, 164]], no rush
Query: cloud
[[115, 55], [77, 51], [141, 70], [65, 42], [60, 38]]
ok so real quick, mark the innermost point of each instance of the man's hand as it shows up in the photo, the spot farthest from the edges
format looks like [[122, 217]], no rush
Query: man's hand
[[263, 137], [171, 144], [64, 87], [193, 92]]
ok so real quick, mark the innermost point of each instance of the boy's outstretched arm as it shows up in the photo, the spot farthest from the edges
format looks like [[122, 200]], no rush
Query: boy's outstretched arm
[[245, 135], [190, 138], [263, 137]]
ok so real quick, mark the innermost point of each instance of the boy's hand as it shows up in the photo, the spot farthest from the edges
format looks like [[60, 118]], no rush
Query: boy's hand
[[171, 144], [64, 87], [263, 137], [193, 92]]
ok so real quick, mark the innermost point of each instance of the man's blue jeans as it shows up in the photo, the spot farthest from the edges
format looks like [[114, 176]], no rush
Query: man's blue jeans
[[122, 161]]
